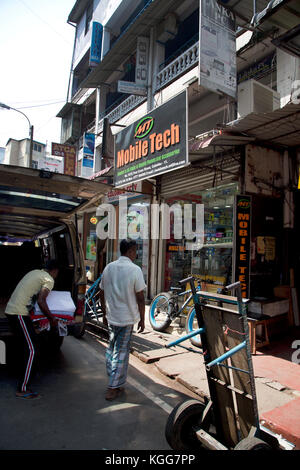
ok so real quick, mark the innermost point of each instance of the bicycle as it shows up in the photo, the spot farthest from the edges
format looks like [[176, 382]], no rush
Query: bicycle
[[164, 309], [92, 307]]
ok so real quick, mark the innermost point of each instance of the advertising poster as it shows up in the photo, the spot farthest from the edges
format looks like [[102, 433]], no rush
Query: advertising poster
[[88, 155], [153, 145], [217, 48]]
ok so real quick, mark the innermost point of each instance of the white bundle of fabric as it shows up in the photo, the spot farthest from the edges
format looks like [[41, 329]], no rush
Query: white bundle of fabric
[[60, 303]]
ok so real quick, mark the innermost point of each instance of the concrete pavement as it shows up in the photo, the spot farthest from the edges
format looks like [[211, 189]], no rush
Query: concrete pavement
[[277, 378]]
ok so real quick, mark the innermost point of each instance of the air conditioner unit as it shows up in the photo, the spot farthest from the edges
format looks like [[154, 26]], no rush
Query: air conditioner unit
[[167, 29], [253, 97]]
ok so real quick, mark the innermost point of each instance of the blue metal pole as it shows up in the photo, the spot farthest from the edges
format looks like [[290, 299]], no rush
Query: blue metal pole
[[228, 354], [183, 338]]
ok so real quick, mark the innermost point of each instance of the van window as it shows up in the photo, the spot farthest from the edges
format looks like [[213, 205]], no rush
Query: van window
[[48, 249], [63, 248], [37, 199]]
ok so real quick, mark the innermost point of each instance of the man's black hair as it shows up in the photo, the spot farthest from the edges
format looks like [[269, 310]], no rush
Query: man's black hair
[[126, 244], [51, 265]]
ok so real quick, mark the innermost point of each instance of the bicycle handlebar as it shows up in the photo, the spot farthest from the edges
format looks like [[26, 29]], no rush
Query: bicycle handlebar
[[185, 281]]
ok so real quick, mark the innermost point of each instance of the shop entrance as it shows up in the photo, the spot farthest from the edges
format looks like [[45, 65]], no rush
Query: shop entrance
[[212, 263], [267, 267]]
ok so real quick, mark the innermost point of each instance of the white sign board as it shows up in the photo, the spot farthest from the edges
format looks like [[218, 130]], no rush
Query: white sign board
[[141, 67], [54, 164], [217, 48], [131, 88]]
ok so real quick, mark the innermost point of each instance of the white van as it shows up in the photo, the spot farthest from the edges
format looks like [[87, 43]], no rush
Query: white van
[[37, 223]]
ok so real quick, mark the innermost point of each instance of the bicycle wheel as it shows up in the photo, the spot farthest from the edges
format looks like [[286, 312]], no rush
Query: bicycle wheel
[[192, 325], [159, 312]]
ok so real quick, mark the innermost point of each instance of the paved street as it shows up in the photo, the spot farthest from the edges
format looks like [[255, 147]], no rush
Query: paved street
[[73, 414]]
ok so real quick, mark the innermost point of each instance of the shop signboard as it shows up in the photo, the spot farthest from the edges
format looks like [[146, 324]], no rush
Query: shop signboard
[[131, 88], [153, 145], [88, 144], [259, 69], [96, 44], [51, 164], [68, 152], [243, 242], [108, 143], [141, 66], [88, 155], [217, 48], [139, 86], [131, 191]]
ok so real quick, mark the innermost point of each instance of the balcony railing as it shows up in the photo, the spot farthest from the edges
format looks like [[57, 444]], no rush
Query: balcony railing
[[124, 108], [178, 66]]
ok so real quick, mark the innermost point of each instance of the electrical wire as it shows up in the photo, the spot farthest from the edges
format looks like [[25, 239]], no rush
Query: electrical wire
[[45, 22], [41, 105]]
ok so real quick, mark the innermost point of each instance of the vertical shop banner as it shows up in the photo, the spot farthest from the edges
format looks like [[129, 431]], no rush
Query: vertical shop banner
[[243, 242], [88, 155], [155, 144], [141, 67], [68, 152], [108, 143], [217, 48], [96, 44]]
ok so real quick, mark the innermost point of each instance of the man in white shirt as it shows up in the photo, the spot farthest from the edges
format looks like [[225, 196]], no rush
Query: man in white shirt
[[123, 304]]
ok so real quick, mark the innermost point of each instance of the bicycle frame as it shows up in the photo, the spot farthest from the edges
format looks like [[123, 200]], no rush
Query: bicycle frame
[[90, 302], [186, 302]]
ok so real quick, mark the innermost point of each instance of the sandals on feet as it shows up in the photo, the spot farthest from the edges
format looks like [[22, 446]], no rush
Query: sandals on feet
[[29, 395], [113, 393]]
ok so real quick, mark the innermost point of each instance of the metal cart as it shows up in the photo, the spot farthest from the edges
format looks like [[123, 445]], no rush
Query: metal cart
[[229, 419]]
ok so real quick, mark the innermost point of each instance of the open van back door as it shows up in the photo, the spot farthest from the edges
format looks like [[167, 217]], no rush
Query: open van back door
[[46, 194]]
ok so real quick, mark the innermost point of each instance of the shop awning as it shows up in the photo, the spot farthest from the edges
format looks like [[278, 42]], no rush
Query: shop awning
[[281, 127], [283, 13], [216, 143], [109, 171]]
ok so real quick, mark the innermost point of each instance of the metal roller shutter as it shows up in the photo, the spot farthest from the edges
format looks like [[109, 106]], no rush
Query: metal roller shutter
[[204, 175]]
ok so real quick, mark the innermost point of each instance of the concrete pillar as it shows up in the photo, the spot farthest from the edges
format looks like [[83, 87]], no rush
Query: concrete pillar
[[288, 72]]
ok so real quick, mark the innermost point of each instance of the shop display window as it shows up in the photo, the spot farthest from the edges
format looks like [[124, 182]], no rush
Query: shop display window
[[211, 263]]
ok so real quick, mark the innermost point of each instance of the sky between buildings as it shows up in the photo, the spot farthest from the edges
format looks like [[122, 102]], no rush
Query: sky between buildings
[[36, 45]]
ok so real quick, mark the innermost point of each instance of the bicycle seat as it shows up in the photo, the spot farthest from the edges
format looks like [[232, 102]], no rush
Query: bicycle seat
[[176, 288]]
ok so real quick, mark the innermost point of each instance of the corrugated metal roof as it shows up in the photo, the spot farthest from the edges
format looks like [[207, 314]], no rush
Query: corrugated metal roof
[[281, 126]]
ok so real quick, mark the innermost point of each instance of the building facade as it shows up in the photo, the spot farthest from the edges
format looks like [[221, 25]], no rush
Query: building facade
[[238, 69], [17, 152]]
